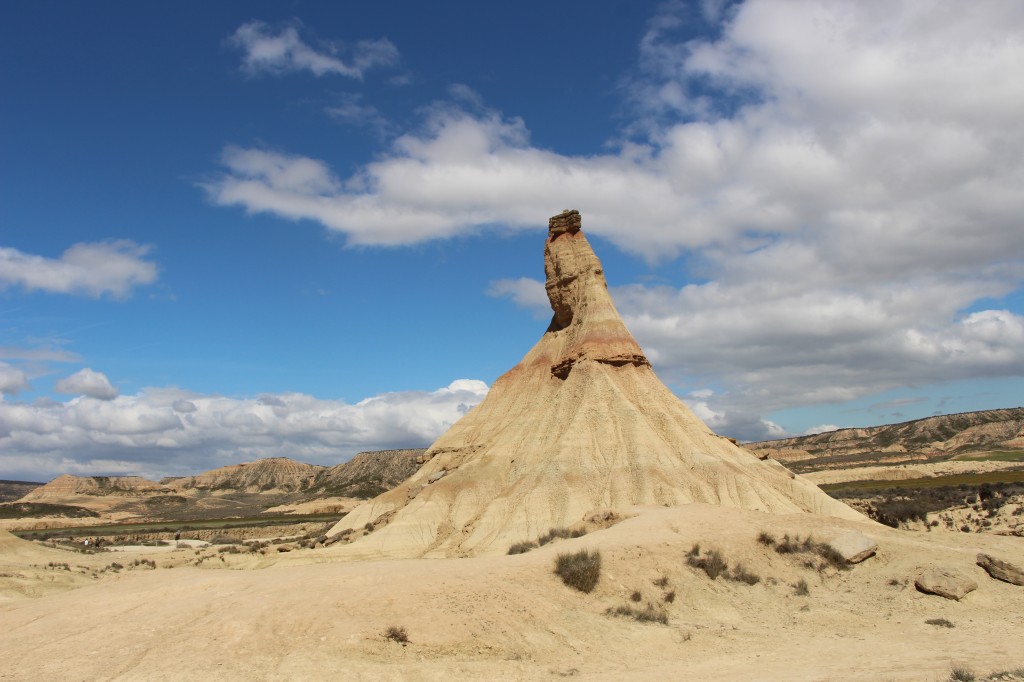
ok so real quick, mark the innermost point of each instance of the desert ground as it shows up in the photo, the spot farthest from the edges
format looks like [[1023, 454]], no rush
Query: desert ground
[[316, 613], [732, 567]]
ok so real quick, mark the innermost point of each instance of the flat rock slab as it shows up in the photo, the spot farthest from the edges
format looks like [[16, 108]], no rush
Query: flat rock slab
[[1001, 570], [945, 584], [854, 546]]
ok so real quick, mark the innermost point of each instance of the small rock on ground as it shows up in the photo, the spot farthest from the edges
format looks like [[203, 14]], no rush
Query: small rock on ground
[[945, 584], [1001, 570]]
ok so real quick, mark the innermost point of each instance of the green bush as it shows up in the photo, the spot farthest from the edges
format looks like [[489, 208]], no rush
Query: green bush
[[579, 570]]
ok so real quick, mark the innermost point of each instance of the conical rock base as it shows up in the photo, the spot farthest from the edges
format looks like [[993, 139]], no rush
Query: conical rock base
[[581, 424]]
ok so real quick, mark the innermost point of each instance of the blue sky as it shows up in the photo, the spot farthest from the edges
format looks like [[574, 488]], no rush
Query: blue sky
[[236, 230]]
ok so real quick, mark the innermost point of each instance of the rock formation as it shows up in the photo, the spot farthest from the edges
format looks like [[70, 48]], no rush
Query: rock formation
[[272, 474], [931, 438], [581, 423], [1001, 570], [67, 487], [945, 583], [367, 474]]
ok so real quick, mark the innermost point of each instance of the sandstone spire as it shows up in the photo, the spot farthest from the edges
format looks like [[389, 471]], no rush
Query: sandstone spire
[[581, 423]]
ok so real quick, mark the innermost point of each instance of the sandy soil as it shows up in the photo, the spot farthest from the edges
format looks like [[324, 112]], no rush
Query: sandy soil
[[905, 471], [311, 614]]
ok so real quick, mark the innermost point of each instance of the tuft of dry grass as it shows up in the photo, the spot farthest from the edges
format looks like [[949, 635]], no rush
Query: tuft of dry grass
[[961, 673], [396, 633], [713, 563], [579, 570], [941, 622], [742, 575], [522, 547], [648, 614]]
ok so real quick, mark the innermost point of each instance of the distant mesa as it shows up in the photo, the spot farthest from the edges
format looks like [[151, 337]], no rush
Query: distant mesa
[[253, 485], [951, 436], [580, 424]]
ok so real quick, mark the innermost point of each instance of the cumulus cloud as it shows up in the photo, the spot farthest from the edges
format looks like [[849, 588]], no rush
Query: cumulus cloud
[[267, 51], [94, 269], [89, 383], [12, 379], [524, 292], [350, 109], [169, 431], [842, 177], [821, 428]]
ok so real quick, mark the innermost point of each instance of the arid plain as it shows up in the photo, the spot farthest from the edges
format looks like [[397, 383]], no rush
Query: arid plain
[[715, 561]]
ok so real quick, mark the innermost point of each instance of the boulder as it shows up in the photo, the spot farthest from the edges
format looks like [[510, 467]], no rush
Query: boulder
[[1001, 570], [854, 546], [285, 548], [945, 584]]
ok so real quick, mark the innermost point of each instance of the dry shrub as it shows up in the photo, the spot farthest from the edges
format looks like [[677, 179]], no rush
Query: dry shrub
[[579, 570], [522, 547], [396, 633], [648, 614], [713, 563], [560, 533], [801, 588], [794, 545], [961, 673], [940, 622], [742, 575], [552, 535]]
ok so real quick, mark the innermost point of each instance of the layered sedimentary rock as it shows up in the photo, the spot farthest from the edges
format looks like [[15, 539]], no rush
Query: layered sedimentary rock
[[581, 423], [68, 486], [273, 474]]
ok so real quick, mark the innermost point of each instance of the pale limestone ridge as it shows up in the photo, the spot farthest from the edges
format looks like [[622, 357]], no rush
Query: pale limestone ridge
[[581, 423], [939, 437], [273, 474], [68, 486]]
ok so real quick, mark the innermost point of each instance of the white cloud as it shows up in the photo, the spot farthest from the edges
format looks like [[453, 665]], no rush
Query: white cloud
[[821, 428], [169, 431], [89, 269], [88, 383], [351, 110], [524, 292], [844, 179], [12, 379], [285, 51]]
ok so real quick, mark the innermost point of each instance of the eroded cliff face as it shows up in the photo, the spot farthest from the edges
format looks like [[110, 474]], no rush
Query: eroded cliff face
[[273, 474], [586, 325], [582, 423], [66, 487]]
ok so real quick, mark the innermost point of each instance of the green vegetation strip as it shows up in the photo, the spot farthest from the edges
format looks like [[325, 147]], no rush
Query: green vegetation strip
[[995, 456], [172, 527], [932, 482]]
